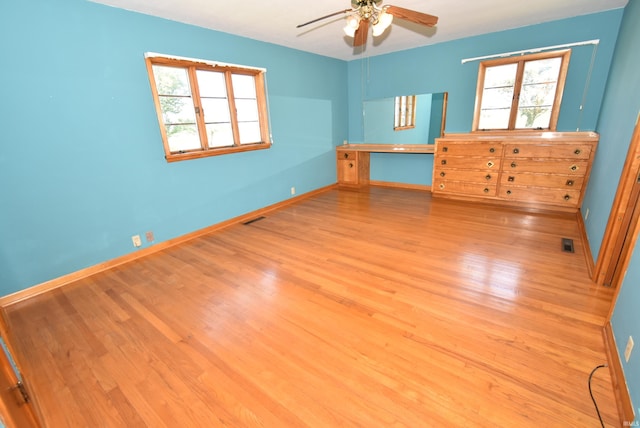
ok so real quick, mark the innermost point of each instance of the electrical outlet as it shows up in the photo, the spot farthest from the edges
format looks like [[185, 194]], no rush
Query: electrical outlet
[[149, 236], [628, 349], [293, 190], [137, 242]]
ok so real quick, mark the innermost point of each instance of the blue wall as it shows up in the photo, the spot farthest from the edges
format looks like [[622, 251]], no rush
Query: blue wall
[[620, 109], [82, 165], [438, 68]]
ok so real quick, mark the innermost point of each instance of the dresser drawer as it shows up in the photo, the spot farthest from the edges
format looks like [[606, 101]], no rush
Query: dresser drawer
[[346, 154], [578, 167], [564, 197], [465, 188], [347, 172], [485, 164], [554, 151], [542, 180], [467, 175], [490, 149]]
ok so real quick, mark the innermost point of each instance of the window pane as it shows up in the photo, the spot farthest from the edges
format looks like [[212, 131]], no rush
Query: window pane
[[497, 96], [244, 86], [220, 134], [244, 91], [404, 109], [211, 84], [494, 119], [533, 117], [542, 70], [500, 76], [249, 132], [402, 113], [538, 93], [171, 80], [247, 110], [177, 110], [182, 137], [216, 110]]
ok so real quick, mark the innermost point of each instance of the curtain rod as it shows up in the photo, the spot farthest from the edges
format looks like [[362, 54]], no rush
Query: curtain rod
[[506, 54]]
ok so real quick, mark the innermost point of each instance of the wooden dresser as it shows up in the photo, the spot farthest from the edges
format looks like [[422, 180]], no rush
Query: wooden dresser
[[352, 167], [545, 170], [353, 160]]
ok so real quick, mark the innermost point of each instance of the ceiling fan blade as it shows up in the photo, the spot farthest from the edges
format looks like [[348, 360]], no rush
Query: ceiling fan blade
[[324, 17], [412, 15], [360, 37]]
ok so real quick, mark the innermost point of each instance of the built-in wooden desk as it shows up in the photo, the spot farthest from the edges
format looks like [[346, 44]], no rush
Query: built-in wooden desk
[[353, 159]]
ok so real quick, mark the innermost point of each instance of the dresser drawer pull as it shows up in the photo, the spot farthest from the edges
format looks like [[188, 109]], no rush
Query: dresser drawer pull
[[513, 164], [511, 178], [486, 190], [490, 164], [346, 155], [508, 192], [441, 186], [569, 182], [516, 150], [442, 174], [443, 162], [574, 167], [488, 177], [577, 151], [492, 150], [445, 149], [350, 164], [567, 197]]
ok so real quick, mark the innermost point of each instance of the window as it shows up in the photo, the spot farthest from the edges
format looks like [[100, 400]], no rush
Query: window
[[405, 112], [521, 93], [208, 109]]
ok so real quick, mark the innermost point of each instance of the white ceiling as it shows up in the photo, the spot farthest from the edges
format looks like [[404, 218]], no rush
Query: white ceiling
[[275, 21]]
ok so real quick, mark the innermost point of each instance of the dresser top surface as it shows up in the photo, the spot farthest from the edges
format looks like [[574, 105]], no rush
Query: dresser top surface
[[388, 148], [539, 137]]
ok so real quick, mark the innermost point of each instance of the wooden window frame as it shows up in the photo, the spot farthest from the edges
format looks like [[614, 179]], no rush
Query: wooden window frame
[[565, 56], [191, 65], [400, 108]]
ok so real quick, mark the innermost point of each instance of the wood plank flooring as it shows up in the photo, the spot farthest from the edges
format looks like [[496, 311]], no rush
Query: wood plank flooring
[[371, 308]]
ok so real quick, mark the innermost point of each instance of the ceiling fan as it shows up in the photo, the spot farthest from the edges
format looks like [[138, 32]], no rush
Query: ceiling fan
[[369, 12]]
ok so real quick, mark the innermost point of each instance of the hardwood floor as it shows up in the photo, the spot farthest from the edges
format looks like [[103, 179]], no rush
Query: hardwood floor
[[373, 308]]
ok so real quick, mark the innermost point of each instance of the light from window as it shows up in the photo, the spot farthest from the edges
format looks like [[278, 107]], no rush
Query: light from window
[[208, 109], [405, 112], [521, 93]]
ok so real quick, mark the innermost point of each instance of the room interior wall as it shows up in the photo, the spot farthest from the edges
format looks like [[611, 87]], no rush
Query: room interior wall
[[620, 111], [82, 166], [437, 68]]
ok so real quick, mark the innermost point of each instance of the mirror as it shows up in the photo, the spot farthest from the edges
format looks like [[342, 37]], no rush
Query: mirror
[[430, 118]]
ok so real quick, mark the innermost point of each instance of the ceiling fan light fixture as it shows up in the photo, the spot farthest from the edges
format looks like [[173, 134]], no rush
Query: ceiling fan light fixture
[[370, 13], [353, 22], [383, 22]]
